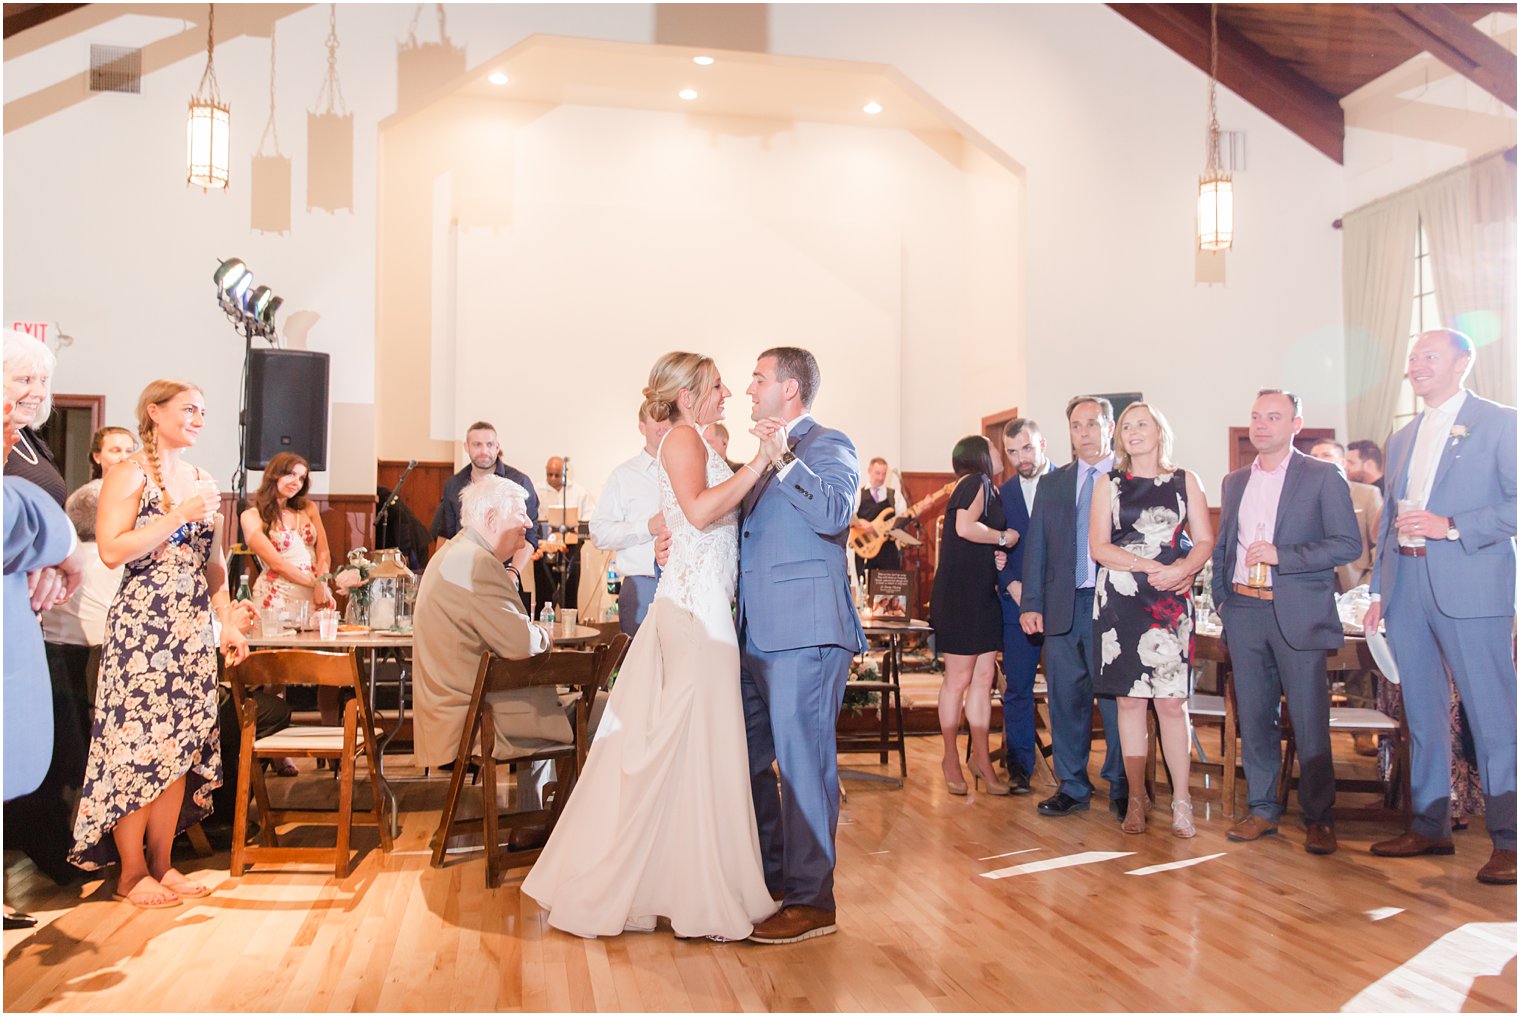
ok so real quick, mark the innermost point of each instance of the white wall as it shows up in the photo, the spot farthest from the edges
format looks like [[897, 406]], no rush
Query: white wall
[[1107, 123]]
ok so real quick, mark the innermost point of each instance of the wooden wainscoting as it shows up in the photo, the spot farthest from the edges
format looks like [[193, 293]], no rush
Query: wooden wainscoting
[[424, 487], [920, 560], [348, 520]]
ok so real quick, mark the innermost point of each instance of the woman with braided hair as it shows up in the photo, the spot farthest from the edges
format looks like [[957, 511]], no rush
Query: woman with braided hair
[[154, 758]]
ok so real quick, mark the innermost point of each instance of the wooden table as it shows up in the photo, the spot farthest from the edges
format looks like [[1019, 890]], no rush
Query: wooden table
[[374, 642], [890, 685], [1210, 647], [577, 636]]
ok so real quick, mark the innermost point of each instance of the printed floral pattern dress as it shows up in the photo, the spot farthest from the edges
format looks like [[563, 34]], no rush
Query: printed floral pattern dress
[[298, 547], [155, 704], [1145, 636]]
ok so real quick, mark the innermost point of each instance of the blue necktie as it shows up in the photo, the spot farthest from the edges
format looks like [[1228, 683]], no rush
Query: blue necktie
[[1084, 514]]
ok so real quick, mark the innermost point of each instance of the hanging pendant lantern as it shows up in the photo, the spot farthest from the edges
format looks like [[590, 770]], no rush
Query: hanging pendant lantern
[[1216, 196], [209, 128]]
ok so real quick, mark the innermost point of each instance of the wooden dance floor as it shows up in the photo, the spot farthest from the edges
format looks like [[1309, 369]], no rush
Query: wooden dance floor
[[946, 904]]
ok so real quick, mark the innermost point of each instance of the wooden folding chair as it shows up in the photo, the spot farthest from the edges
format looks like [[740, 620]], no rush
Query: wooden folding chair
[[585, 672], [297, 666]]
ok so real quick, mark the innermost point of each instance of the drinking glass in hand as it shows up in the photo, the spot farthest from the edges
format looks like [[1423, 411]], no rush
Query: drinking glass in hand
[[1409, 504]]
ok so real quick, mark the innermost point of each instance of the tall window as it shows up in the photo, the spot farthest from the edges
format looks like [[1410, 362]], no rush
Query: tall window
[[1425, 316]]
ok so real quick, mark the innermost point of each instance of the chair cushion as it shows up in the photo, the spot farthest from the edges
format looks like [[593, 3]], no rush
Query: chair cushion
[[1206, 705], [303, 739], [1347, 718]]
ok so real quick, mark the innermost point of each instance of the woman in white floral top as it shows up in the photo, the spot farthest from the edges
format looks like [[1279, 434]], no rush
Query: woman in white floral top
[[1151, 535]]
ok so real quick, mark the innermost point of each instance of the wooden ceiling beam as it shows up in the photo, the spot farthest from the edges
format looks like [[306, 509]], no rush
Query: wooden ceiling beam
[[1247, 70], [1457, 43], [20, 17]]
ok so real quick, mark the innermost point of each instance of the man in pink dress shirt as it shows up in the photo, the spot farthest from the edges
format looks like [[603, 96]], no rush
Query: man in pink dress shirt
[[1292, 514]]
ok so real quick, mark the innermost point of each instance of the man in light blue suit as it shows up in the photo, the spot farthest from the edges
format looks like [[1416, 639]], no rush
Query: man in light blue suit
[[1025, 447], [1444, 583], [798, 631]]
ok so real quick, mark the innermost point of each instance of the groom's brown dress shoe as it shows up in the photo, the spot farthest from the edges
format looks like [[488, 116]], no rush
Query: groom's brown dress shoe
[[1253, 828], [1500, 869], [1412, 844], [794, 924]]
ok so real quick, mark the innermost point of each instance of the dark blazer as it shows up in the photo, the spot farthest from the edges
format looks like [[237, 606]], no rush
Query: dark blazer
[[1050, 559], [1475, 486], [1315, 531], [1018, 520]]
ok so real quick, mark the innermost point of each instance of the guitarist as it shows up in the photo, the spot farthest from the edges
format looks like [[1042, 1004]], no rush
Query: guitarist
[[876, 498], [1025, 447]]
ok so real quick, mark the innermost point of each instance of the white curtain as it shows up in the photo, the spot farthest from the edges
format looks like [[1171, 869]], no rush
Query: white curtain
[[1469, 217], [1377, 275]]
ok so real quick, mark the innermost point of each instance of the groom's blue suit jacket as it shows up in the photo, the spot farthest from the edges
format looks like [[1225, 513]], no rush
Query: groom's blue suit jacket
[[794, 587]]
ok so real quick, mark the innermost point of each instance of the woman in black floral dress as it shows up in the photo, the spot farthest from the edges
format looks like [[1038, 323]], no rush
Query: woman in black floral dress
[[1142, 514], [154, 758]]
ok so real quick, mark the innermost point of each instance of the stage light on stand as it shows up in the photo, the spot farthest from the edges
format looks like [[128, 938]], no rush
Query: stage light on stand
[[227, 273], [251, 307]]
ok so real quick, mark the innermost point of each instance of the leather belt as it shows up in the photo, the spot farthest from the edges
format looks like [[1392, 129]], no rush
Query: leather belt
[[1254, 592], [1412, 551]]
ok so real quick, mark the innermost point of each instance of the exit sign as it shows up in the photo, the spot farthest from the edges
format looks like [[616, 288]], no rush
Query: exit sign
[[36, 329]]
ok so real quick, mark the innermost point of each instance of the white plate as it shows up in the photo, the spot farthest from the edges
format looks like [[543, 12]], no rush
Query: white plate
[[393, 634]]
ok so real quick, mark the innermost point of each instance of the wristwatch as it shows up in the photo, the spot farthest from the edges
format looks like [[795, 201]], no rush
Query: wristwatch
[[1003, 539], [787, 458], [1451, 529]]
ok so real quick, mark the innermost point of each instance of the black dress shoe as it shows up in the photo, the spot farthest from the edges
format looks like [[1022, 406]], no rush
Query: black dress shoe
[[1018, 781], [1117, 807], [1061, 804], [15, 921]]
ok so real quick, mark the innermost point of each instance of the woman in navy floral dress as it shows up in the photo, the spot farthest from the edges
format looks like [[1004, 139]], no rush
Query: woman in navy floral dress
[[1151, 535], [154, 756]]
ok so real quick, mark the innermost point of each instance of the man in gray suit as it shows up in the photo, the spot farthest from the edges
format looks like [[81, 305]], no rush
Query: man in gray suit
[[467, 604], [1445, 583], [1291, 514]]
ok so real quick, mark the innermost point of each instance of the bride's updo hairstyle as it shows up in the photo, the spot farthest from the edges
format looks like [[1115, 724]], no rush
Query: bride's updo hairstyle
[[671, 373]]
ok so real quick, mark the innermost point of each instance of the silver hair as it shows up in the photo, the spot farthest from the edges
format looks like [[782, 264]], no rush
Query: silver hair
[[24, 352], [492, 493], [81, 507]]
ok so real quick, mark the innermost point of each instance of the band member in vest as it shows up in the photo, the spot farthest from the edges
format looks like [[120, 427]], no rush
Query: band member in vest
[[876, 498]]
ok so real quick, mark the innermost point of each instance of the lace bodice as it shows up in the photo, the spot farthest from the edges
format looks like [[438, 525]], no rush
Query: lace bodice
[[703, 563]]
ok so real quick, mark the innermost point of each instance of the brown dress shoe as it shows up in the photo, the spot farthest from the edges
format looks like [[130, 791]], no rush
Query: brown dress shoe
[[1253, 828], [1364, 743], [1319, 839], [794, 924], [527, 837], [1500, 869], [1412, 844]]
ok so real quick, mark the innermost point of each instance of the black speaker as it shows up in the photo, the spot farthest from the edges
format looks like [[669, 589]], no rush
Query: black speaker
[[287, 406]]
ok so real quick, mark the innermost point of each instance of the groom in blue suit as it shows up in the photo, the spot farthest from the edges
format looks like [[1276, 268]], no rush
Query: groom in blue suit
[[1444, 581], [798, 632]]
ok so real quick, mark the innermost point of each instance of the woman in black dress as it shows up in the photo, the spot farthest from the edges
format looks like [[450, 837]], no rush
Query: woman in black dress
[[1151, 535], [964, 609]]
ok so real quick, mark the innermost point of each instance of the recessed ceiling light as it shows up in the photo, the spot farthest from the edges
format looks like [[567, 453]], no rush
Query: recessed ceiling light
[[497, 78], [702, 61], [687, 93], [873, 108]]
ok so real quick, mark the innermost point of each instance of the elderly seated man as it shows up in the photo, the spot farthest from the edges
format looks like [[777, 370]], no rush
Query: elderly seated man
[[468, 604]]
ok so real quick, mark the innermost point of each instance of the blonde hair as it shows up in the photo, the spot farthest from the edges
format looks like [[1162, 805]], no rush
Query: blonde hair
[[1121, 454], [670, 375], [26, 352], [156, 394]]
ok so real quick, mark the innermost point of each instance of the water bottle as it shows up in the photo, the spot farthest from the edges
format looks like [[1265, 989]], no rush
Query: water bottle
[[612, 581], [546, 616], [1258, 576], [244, 593]]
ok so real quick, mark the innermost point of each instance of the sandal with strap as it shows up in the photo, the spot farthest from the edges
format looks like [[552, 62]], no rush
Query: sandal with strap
[[1182, 820]]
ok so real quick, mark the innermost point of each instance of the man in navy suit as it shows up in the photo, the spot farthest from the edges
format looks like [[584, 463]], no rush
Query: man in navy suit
[[1291, 513], [1444, 582], [1059, 576], [1025, 447]]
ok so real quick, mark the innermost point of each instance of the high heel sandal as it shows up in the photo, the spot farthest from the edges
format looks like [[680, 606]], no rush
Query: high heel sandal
[[1182, 820], [994, 787], [1134, 816], [956, 787]]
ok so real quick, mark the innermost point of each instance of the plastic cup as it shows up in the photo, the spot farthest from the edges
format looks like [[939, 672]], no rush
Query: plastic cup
[[327, 624], [1409, 504], [271, 622], [208, 489], [567, 620]]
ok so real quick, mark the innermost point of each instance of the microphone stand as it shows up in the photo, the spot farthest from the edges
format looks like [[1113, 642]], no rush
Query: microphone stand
[[383, 519]]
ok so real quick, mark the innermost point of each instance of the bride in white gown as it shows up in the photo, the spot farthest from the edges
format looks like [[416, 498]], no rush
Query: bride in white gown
[[661, 823]]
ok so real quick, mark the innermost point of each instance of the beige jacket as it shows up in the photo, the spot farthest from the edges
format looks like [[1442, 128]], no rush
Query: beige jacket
[[465, 606], [1368, 502]]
